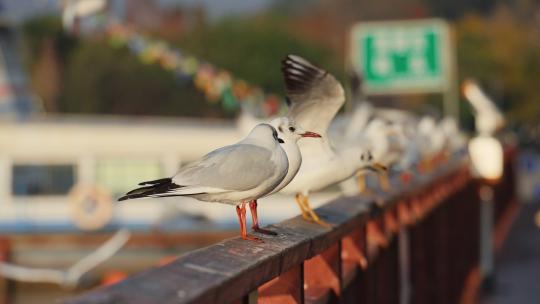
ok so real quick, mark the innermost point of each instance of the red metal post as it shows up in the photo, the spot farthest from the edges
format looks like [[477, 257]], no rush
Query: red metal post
[[355, 263], [288, 288], [354, 248], [322, 276], [6, 286]]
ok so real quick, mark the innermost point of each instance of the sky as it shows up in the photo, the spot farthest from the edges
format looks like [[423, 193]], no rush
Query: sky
[[219, 8], [17, 10]]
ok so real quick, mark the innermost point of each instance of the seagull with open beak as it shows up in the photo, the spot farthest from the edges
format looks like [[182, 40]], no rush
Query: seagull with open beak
[[314, 98]]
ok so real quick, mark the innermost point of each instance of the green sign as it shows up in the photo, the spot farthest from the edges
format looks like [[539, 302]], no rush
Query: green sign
[[402, 56]]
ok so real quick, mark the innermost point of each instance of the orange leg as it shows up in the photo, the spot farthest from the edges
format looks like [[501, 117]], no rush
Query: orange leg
[[300, 202], [241, 212], [255, 219], [384, 181], [314, 217], [361, 178]]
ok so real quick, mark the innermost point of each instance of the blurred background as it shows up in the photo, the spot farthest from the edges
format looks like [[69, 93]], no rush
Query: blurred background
[[96, 96]]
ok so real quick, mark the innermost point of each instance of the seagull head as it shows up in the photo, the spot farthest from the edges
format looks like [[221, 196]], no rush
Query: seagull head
[[290, 131], [367, 162], [361, 157], [264, 133]]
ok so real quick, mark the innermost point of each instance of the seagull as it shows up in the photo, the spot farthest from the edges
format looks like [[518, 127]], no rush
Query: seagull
[[314, 97], [432, 142], [488, 118], [364, 111], [412, 154], [382, 131], [386, 145], [290, 133], [232, 175], [456, 140], [75, 9]]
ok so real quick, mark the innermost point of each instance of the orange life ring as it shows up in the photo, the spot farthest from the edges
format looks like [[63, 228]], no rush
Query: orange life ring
[[91, 207]]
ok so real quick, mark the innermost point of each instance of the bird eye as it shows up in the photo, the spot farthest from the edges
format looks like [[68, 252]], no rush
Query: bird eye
[[370, 157], [292, 129], [362, 157]]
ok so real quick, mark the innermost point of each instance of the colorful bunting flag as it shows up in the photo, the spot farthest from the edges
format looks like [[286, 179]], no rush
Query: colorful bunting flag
[[218, 85]]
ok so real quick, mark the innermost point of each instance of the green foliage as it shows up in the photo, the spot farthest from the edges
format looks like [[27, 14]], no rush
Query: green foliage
[[101, 79], [252, 49], [37, 31], [503, 53], [97, 78]]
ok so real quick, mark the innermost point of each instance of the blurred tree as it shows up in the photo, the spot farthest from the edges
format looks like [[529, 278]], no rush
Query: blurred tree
[[37, 31], [99, 79], [105, 80], [45, 76], [453, 9], [503, 53], [252, 48], [45, 52]]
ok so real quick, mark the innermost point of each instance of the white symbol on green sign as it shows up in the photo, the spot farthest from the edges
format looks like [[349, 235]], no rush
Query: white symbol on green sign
[[397, 57]]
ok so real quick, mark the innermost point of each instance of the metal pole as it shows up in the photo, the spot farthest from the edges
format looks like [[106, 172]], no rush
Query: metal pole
[[451, 103], [404, 266], [450, 95], [486, 234]]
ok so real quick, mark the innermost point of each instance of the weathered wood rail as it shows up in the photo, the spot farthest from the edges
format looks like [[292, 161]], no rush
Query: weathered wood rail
[[417, 244]]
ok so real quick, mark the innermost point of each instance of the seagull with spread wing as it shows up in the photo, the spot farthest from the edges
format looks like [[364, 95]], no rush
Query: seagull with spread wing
[[314, 97]]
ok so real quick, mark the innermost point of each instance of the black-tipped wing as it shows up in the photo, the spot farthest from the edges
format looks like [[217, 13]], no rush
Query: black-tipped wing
[[314, 95], [156, 187]]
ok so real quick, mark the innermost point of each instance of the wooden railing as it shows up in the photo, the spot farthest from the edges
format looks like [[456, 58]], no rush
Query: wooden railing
[[416, 244]]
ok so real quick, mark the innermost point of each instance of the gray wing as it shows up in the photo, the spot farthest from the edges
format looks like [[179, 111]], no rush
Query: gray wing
[[237, 167], [314, 95]]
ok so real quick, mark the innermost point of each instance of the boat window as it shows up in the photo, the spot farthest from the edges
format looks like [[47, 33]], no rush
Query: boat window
[[120, 175], [31, 180]]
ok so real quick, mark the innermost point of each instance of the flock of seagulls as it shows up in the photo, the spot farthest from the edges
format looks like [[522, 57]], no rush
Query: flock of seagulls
[[304, 151]]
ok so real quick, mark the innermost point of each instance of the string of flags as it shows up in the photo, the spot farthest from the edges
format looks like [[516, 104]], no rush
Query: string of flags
[[218, 85]]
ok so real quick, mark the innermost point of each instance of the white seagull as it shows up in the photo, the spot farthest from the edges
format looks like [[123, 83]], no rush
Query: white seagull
[[387, 143], [381, 129], [314, 97], [411, 157], [488, 118], [456, 140], [233, 174], [432, 142], [289, 132]]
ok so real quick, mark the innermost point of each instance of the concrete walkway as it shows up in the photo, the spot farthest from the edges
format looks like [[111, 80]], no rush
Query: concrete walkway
[[518, 266]]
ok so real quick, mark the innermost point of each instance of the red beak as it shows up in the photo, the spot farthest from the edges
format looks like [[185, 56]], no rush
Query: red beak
[[310, 134]]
